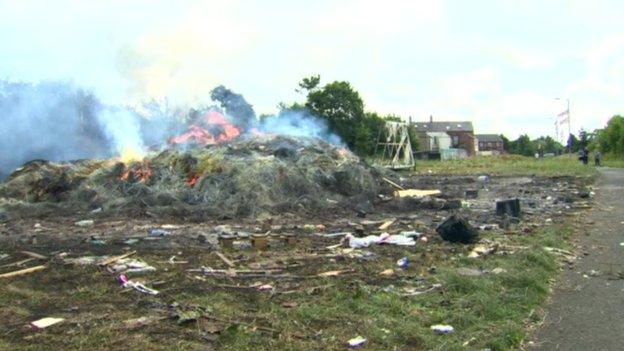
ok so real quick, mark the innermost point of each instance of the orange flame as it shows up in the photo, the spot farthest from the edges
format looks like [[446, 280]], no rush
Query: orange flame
[[192, 180], [203, 136], [142, 173]]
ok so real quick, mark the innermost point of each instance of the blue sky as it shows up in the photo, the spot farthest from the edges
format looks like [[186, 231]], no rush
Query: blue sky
[[499, 63]]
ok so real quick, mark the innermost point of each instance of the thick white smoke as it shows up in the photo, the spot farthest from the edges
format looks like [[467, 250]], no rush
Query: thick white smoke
[[123, 129], [298, 123]]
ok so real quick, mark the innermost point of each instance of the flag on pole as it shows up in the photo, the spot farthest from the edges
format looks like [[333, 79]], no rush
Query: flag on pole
[[564, 117]]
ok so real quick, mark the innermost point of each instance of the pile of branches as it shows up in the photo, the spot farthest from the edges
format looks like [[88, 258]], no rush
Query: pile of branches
[[249, 177]]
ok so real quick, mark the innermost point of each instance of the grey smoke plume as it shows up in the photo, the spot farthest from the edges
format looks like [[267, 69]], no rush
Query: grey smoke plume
[[59, 122], [52, 121], [298, 123]]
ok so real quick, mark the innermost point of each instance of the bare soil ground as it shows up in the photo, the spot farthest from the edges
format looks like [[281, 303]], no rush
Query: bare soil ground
[[586, 310], [310, 295]]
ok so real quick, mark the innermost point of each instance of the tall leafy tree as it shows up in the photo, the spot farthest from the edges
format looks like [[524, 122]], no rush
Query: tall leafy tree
[[342, 107], [611, 138]]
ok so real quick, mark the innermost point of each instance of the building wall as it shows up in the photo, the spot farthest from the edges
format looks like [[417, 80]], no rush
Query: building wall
[[465, 140], [491, 146]]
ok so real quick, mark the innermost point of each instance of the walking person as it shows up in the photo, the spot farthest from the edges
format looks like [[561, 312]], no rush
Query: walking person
[[597, 157]]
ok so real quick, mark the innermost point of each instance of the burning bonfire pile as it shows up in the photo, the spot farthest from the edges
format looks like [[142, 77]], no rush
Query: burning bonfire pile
[[216, 169]]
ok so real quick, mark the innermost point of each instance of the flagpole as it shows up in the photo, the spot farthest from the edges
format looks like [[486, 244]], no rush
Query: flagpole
[[569, 118]]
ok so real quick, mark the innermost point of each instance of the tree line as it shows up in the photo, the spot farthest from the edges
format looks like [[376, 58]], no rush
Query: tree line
[[342, 108]]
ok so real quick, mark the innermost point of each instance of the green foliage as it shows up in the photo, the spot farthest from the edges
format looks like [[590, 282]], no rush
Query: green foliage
[[413, 135], [341, 106], [523, 146], [343, 109], [506, 144], [547, 145], [527, 147], [309, 83], [610, 140]]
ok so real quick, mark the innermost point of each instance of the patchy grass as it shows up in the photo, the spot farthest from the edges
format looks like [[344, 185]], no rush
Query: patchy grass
[[613, 161], [508, 165], [308, 313]]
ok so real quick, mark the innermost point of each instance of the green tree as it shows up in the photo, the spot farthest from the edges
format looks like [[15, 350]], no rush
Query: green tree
[[547, 145], [507, 145], [308, 84], [343, 109], [611, 138], [524, 146]]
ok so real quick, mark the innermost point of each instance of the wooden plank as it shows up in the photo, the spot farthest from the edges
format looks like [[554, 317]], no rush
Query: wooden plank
[[22, 272], [387, 224], [34, 255], [107, 261], [18, 263], [393, 183], [225, 259]]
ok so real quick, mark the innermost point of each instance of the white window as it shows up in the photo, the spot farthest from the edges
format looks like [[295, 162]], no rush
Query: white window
[[455, 140]]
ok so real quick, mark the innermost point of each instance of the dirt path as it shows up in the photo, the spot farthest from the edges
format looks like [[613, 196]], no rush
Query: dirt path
[[587, 311]]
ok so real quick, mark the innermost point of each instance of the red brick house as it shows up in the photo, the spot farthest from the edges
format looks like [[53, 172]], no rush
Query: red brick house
[[491, 143], [461, 134]]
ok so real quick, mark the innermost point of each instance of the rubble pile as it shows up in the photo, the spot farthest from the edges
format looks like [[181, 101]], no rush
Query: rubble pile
[[246, 177]]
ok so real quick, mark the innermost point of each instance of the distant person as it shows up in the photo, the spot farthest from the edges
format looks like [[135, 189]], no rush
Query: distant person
[[597, 157], [581, 155], [585, 156]]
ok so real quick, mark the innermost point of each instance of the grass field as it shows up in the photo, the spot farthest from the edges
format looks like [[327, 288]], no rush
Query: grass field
[[316, 313], [508, 165]]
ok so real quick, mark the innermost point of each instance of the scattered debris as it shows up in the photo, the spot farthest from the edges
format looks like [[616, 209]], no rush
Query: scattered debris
[[22, 272], [156, 232], [403, 262], [471, 193], [225, 259], [96, 242], [356, 342], [46, 322], [388, 272], [107, 261], [126, 283], [457, 229], [509, 208], [131, 241], [131, 266], [387, 224], [384, 238], [483, 250], [499, 270], [392, 183], [409, 291], [417, 193], [442, 329], [333, 273], [85, 223], [263, 287], [34, 255], [469, 272]]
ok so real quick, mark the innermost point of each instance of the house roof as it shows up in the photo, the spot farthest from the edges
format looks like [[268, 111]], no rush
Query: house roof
[[443, 127], [489, 137]]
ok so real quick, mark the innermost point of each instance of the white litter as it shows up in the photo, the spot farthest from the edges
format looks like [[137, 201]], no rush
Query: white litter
[[442, 329], [384, 238]]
